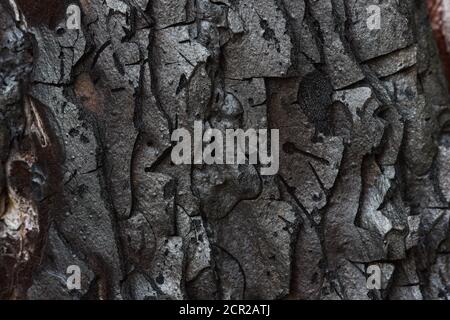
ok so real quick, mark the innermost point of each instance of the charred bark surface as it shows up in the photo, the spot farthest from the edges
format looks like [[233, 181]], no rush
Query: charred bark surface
[[86, 176]]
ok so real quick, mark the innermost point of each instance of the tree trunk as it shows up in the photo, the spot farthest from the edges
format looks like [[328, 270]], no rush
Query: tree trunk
[[86, 177]]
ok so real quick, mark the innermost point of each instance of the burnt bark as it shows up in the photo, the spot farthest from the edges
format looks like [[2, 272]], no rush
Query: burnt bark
[[86, 177]]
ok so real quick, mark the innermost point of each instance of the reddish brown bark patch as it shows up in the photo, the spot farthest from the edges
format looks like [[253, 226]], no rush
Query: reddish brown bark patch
[[439, 11], [43, 12]]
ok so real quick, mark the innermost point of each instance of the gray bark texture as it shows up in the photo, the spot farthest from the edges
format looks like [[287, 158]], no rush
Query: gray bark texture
[[86, 177]]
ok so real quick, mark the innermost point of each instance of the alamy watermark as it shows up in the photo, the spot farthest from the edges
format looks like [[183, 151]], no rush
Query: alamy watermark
[[374, 277], [73, 14], [374, 20], [73, 282], [236, 147]]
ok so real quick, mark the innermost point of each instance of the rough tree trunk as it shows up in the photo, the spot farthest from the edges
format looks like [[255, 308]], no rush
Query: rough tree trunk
[[86, 177]]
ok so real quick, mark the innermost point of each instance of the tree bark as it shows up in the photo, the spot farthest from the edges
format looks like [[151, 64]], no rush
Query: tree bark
[[86, 177]]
